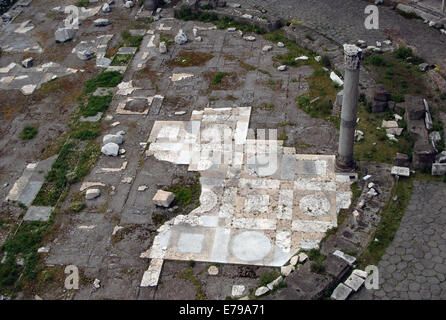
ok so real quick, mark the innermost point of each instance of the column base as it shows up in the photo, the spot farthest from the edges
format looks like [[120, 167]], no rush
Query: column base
[[344, 165]]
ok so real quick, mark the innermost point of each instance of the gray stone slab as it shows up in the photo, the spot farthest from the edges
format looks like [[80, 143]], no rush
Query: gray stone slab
[[355, 282], [341, 292], [38, 213], [288, 167], [29, 192]]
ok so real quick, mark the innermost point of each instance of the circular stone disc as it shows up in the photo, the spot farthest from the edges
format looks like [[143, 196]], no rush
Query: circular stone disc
[[251, 246], [314, 205]]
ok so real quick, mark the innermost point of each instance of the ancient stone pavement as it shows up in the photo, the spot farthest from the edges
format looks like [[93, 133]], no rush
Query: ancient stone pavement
[[343, 21], [108, 237], [260, 202], [414, 265]]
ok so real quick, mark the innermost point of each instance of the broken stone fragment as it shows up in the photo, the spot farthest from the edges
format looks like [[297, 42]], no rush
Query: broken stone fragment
[[181, 37], [97, 283], [294, 260], [267, 48], [234, 5], [129, 4], [106, 8], [63, 35], [213, 270], [43, 250], [261, 291], [282, 68], [249, 38], [341, 292], [286, 270], [231, 29], [280, 44], [115, 138], [372, 193], [302, 257], [274, 283], [110, 149], [28, 89], [28, 63], [92, 194], [85, 54], [142, 188], [389, 124], [101, 22], [360, 273], [237, 291], [163, 47], [163, 198], [423, 67]]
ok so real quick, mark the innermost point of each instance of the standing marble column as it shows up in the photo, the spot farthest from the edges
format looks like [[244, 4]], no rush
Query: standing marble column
[[352, 57]]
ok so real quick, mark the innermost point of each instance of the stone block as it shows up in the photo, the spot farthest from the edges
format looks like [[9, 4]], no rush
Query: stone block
[[414, 108], [379, 106], [355, 282], [380, 94], [401, 160], [63, 35], [423, 154], [163, 198], [341, 292], [438, 169]]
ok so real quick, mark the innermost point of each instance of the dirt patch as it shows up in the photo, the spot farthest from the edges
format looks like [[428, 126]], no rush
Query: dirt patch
[[190, 58], [222, 80]]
